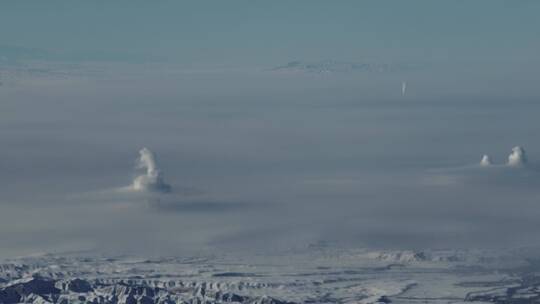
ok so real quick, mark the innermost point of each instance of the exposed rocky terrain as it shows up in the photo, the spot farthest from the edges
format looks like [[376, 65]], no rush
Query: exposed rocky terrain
[[319, 275]]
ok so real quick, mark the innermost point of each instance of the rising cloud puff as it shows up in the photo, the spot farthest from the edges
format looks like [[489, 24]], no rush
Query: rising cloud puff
[[486, 161], [152, 180], [517, 158], [516, 171]]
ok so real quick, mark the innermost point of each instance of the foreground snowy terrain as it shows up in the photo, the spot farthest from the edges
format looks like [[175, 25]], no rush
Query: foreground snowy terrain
[[314, 275]]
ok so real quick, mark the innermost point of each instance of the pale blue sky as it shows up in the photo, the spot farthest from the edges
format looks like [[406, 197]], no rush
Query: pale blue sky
[[262, 32]]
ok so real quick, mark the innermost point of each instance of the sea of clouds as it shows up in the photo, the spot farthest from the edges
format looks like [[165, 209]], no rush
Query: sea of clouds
[[167, 166]]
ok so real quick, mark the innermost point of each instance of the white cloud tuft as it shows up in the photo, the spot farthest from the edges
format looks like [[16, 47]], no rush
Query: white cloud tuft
[[486, 161], [518, 157], [152, 181]]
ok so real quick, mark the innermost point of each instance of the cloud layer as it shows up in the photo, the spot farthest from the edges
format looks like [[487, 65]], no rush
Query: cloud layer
[[250, 143]]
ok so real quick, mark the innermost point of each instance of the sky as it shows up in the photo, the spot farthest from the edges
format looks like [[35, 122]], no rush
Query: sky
[[261, 32], [244, 149]]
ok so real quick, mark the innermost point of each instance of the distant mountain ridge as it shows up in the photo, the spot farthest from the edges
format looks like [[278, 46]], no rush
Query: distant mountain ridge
[[11, 54], [334, 66]]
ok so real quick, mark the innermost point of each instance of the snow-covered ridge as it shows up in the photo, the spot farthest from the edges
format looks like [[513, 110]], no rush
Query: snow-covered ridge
[[316, 275]]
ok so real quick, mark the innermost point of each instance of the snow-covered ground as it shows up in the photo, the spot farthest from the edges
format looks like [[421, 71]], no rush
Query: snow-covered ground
[[313, 275]]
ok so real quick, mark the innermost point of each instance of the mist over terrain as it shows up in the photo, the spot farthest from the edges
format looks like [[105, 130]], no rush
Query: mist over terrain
[[169, 143], [293, 165]]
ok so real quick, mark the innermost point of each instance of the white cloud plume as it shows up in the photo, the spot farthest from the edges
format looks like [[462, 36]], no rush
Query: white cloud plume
[[152, 180], [518, 157], [486, 161], [516, 172]]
